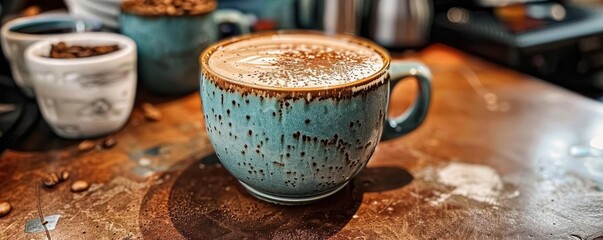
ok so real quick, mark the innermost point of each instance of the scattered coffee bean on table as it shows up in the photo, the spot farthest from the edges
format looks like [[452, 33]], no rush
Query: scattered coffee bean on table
[[61, 50], [151, 112], [168, 7], [63, 176], [5, 208], [51, 180], [86, 145], [109, 142], [79, 186]]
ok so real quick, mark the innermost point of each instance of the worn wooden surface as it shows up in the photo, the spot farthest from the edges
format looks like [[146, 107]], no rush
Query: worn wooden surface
[[161, 181]]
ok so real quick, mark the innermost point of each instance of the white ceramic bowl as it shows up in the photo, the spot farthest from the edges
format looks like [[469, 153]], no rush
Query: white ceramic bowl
[[84, 97]]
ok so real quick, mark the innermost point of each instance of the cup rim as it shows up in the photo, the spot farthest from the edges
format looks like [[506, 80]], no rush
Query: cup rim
[[130, 48], [7, 33], [205, 55]]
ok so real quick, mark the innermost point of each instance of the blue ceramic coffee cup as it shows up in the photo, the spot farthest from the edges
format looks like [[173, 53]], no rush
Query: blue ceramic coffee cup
[[298, 145], [168, 47]]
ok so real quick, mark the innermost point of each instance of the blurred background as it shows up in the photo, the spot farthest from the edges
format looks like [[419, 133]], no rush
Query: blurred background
[[558, 41]]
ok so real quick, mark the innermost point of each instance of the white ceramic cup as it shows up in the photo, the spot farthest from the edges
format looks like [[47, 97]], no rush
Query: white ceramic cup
[[84, 97], [14, 42]]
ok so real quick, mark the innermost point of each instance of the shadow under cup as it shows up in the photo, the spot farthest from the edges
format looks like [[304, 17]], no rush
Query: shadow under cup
[[295, 146]]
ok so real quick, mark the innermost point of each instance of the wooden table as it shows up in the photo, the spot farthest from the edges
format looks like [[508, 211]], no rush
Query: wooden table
[[501, 155]]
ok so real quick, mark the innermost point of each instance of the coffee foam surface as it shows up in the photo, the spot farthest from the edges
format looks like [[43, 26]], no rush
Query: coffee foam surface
[[295, 61]]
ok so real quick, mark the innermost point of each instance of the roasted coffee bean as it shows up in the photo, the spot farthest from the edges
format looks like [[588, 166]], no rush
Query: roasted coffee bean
[[63, 176], [86, 145], [74, 49], [5, 208], [61, 50], [171, 10], [151, 112], [51, 180], [109, 142], [168, 7], [49, 183], [99, 50], [84, 53], [31, 11], [79, 186], [61, 46]]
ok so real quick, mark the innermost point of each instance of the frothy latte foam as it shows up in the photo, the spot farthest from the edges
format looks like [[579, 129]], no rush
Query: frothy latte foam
[[295, 61]]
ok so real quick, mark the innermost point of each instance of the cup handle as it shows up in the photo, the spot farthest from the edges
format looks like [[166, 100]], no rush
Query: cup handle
[[413, 116], [235, 16]]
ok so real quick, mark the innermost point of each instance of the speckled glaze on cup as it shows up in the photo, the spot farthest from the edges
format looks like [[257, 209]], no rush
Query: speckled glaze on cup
[[298, 145]]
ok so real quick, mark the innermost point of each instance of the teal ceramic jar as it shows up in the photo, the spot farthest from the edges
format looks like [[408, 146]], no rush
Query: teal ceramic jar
[[297, 145], [168, 49]]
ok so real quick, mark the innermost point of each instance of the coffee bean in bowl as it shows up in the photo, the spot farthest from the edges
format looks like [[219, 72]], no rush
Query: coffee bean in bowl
[[169, 7], [62, 50]]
